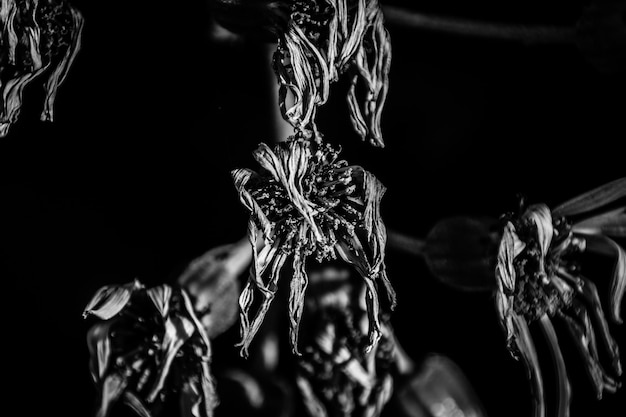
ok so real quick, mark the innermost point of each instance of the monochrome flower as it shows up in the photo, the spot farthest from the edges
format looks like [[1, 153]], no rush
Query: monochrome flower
[[305, 203], [147, 345], [539, 278]]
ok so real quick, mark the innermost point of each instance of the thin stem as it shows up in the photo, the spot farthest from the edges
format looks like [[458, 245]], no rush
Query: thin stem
[[397, 16], [405, 243]]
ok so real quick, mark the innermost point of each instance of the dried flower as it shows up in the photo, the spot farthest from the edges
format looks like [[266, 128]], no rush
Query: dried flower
[[322, 40], [539, 278], [306, 203], [149, 344], [336, 374], [37, 36]]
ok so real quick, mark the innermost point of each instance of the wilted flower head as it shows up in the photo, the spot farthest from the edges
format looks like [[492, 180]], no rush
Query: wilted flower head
[[322, 39], [306, 203], [149, 344], [37, 37], [336, 374], [539, 278]]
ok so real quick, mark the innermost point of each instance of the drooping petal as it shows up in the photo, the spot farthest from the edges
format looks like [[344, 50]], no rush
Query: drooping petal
[[594, 199], [504, 308], [240, 179], [59, 73], [600, 380], [563, 386], [298, 285], [611, 223], [178, 330], [12, 92], [110, 300], [592, 299], [160, 297], [505, 270], [136, 404], [526, 348], [607, 246], [112, 388], [99, 344]]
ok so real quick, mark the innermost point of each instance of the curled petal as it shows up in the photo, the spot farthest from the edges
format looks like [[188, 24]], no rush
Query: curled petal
[[136, 404], [563, 386], [160, 296], [526, 348], [584, 341], [505, 270], [12, 92], [112, 388], [504, 307], [99, 344], [594, 199], [241, 178], [298, 284], [110, 300], [540, 215], [59, 73], [177, 330], [607, 246]]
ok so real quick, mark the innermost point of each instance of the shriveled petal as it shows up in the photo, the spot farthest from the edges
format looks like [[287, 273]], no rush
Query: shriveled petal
[[160, 297], [99, 344], [540, 215], [563, 386], [504, 308], [12, 92], [298, 285], [611, 223], [526, 347], [607, 246], [594, 199], [59, 73], [178, 330], [112, 388], [110, 300], [136, 404], [241, 178], [505, 270]]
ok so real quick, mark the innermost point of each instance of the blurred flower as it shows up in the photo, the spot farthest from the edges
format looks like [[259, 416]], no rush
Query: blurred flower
[[306, 203], [212, 282], [318, 41], [337, 375], [147, 345], [539, 278], [321, 40], [438, 389], [37, 37]]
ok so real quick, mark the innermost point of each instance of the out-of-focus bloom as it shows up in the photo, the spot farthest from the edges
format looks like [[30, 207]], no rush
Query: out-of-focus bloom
[[438, 389], [318, 40], [212, 283], [539, 278], [149, 344], [337, 375], [37, 37], [306, 203]]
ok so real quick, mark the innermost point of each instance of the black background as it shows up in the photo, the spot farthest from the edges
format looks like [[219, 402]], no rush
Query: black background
[[132, 179]]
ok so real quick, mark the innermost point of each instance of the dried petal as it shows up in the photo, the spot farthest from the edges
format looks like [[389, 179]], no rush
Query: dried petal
[[540, 215], [563, 386], [99, 344], [611, 223], [60, 71], [526, 348], [594, 199], [112, 387], [110, 300], [505, 271], [161, 296], [136, 404]]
